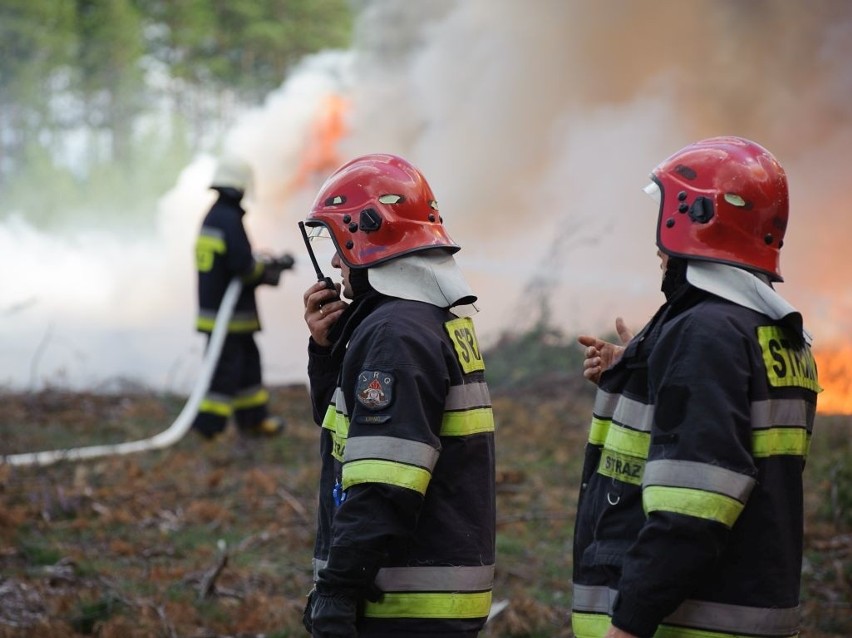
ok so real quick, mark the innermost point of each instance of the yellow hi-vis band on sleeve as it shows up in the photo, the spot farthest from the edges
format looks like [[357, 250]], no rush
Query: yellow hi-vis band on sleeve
[[780, 441], [698, 503], [467, 422], [430, 605], [388, 472], [587, 625], [626, 441], [598, 430]]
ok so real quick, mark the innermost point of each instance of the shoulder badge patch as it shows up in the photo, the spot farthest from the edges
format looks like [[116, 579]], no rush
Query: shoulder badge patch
[[375, 389]]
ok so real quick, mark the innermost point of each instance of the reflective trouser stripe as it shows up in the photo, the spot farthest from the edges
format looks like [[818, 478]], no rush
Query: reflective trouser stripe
[[252, 399], [246, 323], [693, 619], [430, 605], [216, 404]]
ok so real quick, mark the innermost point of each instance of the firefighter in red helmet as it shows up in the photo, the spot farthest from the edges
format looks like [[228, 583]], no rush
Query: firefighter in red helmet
[[406, 522], [690, 518]]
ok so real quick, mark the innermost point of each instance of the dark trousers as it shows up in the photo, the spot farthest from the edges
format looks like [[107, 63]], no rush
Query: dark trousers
[[236, 388]]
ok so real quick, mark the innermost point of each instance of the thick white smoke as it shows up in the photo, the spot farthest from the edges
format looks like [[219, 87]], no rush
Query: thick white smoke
[[536, 123]]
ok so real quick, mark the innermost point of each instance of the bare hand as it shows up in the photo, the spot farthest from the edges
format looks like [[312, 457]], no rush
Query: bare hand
[[323, 308], [600, 354]]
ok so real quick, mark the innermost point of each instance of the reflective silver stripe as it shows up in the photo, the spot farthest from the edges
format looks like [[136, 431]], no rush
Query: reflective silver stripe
[[701, 476], [339, 402], [318, 564], [210, 231], [634, 414], [469, 395], [452, 578], [701, 614], [216, 397], [786, 412], [736, 619], [605, 403], [391, 449], [597, 599]]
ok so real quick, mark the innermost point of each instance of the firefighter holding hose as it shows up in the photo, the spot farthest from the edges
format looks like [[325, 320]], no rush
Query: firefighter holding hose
[[223, 252]]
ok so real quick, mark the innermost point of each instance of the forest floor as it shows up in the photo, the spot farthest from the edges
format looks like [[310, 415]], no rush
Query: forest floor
[[214, 539]]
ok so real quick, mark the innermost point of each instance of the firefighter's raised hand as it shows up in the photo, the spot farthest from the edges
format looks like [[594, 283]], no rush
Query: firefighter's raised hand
[[323, 307], [600, 354]]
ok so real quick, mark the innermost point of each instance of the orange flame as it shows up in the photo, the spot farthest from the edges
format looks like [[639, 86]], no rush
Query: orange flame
[[834, 367], [321, 156]]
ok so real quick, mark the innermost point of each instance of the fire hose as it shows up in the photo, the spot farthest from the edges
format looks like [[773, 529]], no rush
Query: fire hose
[[181, 424]]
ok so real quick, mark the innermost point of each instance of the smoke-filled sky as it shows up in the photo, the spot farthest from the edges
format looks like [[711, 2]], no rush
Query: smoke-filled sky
[[536, 122]]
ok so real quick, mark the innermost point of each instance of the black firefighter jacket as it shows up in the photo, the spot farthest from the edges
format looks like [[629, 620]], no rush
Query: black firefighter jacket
[[408, 435], [690, 514], [222, 252]]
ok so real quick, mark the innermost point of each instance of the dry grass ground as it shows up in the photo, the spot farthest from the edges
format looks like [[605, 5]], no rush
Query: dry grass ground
[[214, 539]]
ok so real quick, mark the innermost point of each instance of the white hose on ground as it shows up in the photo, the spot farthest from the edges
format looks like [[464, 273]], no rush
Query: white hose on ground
[[182, 423]]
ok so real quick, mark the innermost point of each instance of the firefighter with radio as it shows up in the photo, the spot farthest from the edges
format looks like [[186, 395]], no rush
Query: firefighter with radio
[[223, 252], [690, 515], [406, 524]]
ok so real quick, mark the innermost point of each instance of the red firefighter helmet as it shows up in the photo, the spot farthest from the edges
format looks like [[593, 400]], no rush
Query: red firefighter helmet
[[723, 199], [378, 207]]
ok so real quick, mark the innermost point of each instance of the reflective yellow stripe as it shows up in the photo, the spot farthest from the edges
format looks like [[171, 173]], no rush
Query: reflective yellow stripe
[[206, 247], [258, 398], [463, 336], [598, 430], [207, 324], [589, 625], [778, 441], [467, 422], [220, 408], [338, 424], [682, 632], [592, 604], [698, 503], [621, 466], [244, 325], [430, 605], [388, 472], [786, 366], [630, 442]]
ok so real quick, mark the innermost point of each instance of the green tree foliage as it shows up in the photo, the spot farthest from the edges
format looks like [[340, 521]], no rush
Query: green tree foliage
[[244, 45], [37, 43], [76, 100]]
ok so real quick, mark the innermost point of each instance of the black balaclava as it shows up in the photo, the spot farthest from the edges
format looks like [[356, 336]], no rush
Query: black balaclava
[[359, 282], [675, 276]]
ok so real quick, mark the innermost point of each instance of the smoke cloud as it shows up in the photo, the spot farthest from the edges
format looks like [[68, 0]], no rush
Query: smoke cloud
[[537, 124]]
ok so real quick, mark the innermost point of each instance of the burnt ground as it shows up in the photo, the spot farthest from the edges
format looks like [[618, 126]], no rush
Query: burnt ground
[[214, 539]]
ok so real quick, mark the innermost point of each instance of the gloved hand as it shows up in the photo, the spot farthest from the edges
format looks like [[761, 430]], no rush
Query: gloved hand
[[273, 266], [342, 585], [333, 615]]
